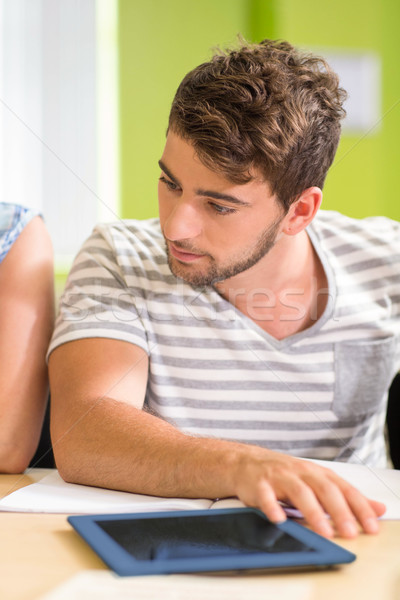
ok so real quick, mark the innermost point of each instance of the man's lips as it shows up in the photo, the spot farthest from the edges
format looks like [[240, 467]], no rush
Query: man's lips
[[183, 255]]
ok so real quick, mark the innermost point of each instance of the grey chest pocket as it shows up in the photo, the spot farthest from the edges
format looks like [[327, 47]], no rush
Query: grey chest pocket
[[363, 373]]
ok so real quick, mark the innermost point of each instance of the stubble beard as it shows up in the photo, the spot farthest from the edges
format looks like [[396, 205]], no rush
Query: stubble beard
[[215, 273]]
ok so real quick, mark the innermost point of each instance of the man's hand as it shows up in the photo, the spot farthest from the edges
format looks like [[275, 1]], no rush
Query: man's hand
[[263, 477]]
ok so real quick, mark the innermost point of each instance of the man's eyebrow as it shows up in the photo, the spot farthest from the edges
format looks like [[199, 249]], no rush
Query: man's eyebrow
[[207, 193], [168, 172], [219, 196]]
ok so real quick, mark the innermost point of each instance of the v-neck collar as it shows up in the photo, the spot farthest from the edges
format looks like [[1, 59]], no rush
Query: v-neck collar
[[305, 333]]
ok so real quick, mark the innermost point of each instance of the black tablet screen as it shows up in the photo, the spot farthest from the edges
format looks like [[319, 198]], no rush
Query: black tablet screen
[[197, 536]]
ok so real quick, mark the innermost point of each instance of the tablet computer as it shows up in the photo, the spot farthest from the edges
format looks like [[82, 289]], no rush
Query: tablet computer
[[204, 540]]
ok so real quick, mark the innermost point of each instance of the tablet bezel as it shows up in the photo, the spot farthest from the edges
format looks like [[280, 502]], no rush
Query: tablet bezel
[[325, 553]]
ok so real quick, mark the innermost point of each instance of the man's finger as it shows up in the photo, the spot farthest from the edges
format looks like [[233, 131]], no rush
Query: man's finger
[[269, 504], [345, 505], [303, 497], [365, 510]]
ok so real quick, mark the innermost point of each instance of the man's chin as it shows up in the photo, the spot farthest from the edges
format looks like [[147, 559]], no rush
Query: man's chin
[[190, 275]]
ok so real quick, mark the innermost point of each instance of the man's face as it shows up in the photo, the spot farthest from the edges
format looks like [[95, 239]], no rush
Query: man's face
[[213, 229]]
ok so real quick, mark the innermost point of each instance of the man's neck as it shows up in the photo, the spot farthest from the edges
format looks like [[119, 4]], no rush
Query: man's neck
[[284, 292]]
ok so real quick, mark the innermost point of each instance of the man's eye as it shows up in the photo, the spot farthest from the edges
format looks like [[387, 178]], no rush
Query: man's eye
[[222, 210], [170, 184]]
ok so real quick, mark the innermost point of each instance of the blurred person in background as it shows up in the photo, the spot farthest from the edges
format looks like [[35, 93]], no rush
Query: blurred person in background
[[26, 323]]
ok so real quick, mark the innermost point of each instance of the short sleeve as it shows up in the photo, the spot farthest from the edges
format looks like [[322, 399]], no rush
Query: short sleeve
[[96, 302], [13, 219]]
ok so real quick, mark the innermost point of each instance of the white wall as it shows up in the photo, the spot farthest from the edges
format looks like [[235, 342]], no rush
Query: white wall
[[58, 116]]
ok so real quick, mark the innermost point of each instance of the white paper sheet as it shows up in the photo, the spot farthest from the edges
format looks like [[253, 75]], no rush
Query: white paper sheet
[[52, 495], [102, 585]]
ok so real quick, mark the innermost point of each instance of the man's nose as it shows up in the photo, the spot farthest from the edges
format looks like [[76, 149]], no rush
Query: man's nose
[[183, 222]]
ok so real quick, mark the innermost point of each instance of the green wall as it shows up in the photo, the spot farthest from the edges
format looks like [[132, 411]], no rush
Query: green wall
[[362, 179], [160, 40]]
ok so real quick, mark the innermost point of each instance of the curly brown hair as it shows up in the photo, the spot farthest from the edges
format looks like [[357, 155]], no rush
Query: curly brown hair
[[263, 107]]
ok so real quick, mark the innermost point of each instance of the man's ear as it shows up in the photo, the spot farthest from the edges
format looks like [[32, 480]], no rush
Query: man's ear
[[302, 211]]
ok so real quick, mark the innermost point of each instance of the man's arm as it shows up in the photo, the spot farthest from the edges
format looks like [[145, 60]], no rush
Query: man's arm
[[26, 323], [102, 437]]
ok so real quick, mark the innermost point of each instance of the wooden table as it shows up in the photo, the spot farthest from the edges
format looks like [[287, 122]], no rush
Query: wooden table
[[40, 551]]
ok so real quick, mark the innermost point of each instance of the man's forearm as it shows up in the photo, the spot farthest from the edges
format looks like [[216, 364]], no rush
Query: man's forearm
[[111, 444], [114, 445]]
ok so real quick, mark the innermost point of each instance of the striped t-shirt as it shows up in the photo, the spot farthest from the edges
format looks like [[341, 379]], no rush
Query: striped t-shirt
[[320, 393]]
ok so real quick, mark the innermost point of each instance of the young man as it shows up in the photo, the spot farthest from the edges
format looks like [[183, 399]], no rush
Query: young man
[[204, 353]]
